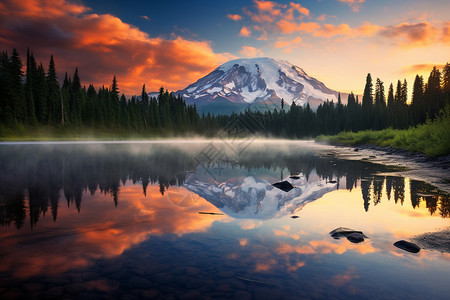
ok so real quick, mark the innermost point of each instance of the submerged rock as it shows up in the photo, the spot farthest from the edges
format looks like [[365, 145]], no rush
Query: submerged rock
[[355, 237], [407, 246]]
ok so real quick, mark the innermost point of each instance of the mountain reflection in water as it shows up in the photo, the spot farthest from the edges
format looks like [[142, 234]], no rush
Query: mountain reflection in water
[[35, 178]]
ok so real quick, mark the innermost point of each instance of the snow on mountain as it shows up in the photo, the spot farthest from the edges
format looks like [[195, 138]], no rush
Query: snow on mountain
[[256, 82]]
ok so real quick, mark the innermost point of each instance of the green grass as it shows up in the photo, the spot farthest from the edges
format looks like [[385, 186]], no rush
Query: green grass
[[431, 138]]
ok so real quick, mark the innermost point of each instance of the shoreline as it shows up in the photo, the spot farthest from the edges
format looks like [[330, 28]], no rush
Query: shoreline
[[418, 166]]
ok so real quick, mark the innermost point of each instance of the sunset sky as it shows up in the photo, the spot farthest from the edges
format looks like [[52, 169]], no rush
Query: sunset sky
[[174, 43]]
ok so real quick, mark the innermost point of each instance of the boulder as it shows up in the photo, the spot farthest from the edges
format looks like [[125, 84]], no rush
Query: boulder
[[407, 246], [345, 232]]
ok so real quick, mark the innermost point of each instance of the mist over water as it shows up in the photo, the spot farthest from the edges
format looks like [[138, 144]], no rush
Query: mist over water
[[122, 219]]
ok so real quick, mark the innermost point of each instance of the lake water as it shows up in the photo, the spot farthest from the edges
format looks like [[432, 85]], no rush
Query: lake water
[[201, 219]]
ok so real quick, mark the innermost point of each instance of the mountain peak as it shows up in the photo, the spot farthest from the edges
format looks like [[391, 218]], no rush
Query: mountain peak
[[259, 83]]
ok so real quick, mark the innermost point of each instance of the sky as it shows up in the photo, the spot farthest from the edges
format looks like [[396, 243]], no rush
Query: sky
[[175, 43]]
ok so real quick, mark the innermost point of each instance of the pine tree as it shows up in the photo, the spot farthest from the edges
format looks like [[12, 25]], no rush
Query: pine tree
[[433, 93], [16, 93], [53, 94], [30, 73], [367, 102], [417, 101], [115, 102]]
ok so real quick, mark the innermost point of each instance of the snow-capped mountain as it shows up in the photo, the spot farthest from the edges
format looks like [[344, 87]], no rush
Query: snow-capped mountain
[[259, 83]]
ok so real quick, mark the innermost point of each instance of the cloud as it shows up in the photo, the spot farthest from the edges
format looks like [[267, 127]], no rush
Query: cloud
[[417, 34], [299, 8], [420, 68], [283, 44], [246, 32], [249, 51], [145, 18], [234, 17], [354, 4], [321, 17], [102, 45], [290, 27], [288, 45]]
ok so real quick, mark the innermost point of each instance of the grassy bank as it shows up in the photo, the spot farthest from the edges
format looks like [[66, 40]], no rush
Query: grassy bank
[[432, 138]]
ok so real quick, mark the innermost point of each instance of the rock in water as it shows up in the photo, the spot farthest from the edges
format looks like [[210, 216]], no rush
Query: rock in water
[[407, 246], [344, 232], [355, 237], [283, 185]]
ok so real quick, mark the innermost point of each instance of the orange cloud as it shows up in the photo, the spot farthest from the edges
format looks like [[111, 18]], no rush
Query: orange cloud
[[354, 4], [283, 44], [329, 30], [235, 17], [245, 32], [290, 27], [299, 8], [249, 51], [417, 34], [268, 6], [103, 45], [420, 68], [322, 17]]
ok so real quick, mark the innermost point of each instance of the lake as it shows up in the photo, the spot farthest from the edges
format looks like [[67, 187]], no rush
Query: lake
[[202, 219]]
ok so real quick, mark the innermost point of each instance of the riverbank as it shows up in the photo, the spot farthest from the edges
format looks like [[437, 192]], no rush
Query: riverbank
[[418, 166], [431, 138]]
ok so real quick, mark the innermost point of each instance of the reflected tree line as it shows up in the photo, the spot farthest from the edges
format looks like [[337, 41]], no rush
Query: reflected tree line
[[36, 179]]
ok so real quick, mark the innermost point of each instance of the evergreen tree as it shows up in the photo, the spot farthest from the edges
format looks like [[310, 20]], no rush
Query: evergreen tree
[[417, 101], [115, 102], [53, 94], [30, 73], [433, 93], [367, 103], [16, 95]]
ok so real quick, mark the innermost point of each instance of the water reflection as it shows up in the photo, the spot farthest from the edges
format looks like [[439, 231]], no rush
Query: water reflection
[[36, 178], [123, 221]]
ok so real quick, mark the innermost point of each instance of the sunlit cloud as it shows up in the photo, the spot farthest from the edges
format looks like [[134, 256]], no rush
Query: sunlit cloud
[[246, 32], [354, 4], [102, 45], [288, 45], [248, 51], [290, 27], [145, 18], [422, 34], [420, 68], [234, 17], [321, 18]]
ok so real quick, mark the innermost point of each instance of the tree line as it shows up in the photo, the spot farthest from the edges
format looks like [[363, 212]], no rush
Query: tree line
[[36, 98]]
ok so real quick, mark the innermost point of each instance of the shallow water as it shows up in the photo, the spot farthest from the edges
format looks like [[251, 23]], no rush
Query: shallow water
[[121, 220]]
